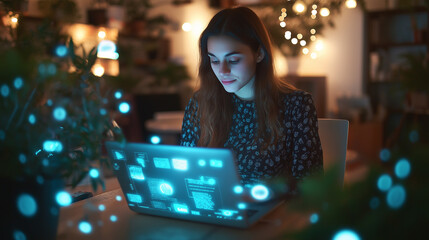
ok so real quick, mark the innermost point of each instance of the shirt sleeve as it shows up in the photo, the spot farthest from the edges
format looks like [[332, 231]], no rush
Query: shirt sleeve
[[190, 126], [307, 150]]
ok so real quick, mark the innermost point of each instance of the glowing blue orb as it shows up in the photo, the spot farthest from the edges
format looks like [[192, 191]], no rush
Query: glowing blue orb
[[414, 136], [259, 192], [402, 168], [314, 218], [113, 218], [18, 235], [374, 202], [52, 146], [32, 119], [346, 234], [52, 69], [227, 213], [63, 198], [384, 154], [124, 107], [384, 182], [166, 189], [155, 140], [61, 50], [27, 205], [202, 162], [101, 207], [4, 90], [238, 189], [85, 227], [118, 198], [396, 196], [242, 206], [18, 83], [60, 114], [103, 111], [118, 94], [40, 179], [94, 173], [22, 158], [49, 102]]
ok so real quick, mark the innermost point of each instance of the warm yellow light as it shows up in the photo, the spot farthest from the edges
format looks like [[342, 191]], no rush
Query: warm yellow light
[[283, 10], [284, 14], [351, 3], [313, 55], [187, 27], [299, 36], [281, 18], [98, 70], [101, 34], [313, 12], [294, 41], [319, 45], [303, 43], [324, 12], [282, 24], [299, 7], [313, 31], [288, 35], [313, 16], [314, 6], [305, 51], [313, 38], [14, 19]]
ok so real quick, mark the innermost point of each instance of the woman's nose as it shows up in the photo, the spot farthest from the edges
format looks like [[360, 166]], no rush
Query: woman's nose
[[224, 68]]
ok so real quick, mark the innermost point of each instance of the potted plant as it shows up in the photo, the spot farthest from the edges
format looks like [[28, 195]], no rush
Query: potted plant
[[55, 115]]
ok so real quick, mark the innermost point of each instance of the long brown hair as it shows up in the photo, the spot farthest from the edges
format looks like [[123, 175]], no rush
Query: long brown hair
[[215, 107]]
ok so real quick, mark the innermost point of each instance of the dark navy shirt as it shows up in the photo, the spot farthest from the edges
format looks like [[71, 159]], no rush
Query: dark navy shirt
[[297, 154]]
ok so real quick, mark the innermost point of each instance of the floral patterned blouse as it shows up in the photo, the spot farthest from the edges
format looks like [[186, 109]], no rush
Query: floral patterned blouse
[[296, 155]]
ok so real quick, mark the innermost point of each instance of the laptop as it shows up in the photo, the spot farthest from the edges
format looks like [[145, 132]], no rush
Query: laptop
[[188, 183]]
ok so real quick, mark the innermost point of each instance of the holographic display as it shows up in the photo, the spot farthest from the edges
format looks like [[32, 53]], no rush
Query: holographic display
[[136, 172], [161, 162], [141, 158]]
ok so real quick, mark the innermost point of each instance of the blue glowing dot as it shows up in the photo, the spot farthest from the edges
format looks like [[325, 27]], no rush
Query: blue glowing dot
[[40, 180], [52, 69], [396, 196], [346, 234], [27, 206], [101, 207], [103, 111], [384, 154], [2, 135], [374, 202], [155, 140], [118, 198], [4, 90], [118, 94], [18, 82], [60, 113], [211, 181], [18, 235], [124, 107], [414, 136], [42, 69], [259, 192], [113, 218], [49, 102], [238, 189], [45, 162], [314, 218], [22, 158], [242, 206], [384, 182], [94, 173], [52, 146], [85, 227], [32, 119], [402, 168], [202, 162], [63, 198], [61, 50], [227, 213]]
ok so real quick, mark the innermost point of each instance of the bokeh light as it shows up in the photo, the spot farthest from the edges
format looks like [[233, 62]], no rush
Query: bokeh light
[[18, 83], [4, 90], [259, 192], [113, 218], [314, 218], [118, 94], [396, 196], [18, 235], [101, 207], [32, 119], [155, 139], [351, 3], [187, 27], [118, 198], [384, 182], [346, 234], [374, 203], [402, 168], [22, 158], [52, 146], [27, 205], [94, 173], [324, 12], [59, 114], [385, 154], [61, 50], [238, 189], [63, 198], [124, 107], [242, 206], [85, 227], [414, 136]]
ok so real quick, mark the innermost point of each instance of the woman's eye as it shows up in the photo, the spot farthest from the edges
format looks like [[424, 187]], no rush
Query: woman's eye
[[214, 61], [234, 61]]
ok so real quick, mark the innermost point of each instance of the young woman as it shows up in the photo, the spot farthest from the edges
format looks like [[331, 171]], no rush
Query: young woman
[[241, 105]]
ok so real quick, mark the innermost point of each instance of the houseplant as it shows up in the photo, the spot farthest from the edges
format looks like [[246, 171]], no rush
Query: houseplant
[[55, 115]]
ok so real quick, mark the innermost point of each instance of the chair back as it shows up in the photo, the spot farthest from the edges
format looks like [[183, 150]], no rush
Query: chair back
[[333, 135]]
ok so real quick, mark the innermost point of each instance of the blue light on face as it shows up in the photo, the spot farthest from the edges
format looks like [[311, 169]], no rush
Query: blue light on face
[[155, 140], [60, 114], [94, 173], [61, 50], [4, 90], [384, 154], [85, 227], [414, 136], [384, 182], [202, 162], [32, 119], [402, 168], [63, 198], [113, 218], [118, 94], [346, 234], [166, 189], [124, 107], [180, 164], [27, 205], [314, 218], [238, 189], [101, 207], [216, 163], [396, 196], [18, 83], [52, 146], [259, 192]]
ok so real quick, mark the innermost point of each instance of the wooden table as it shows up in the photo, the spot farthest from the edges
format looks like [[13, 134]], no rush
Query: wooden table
[[130, 225]]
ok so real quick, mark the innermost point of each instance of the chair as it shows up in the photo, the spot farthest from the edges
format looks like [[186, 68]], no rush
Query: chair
[[333, 135]]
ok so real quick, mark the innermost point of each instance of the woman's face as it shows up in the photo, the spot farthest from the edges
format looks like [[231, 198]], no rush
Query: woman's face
[[234, 65]]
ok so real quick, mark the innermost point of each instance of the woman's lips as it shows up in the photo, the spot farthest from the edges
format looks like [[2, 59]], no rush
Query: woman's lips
[[227, 82]]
